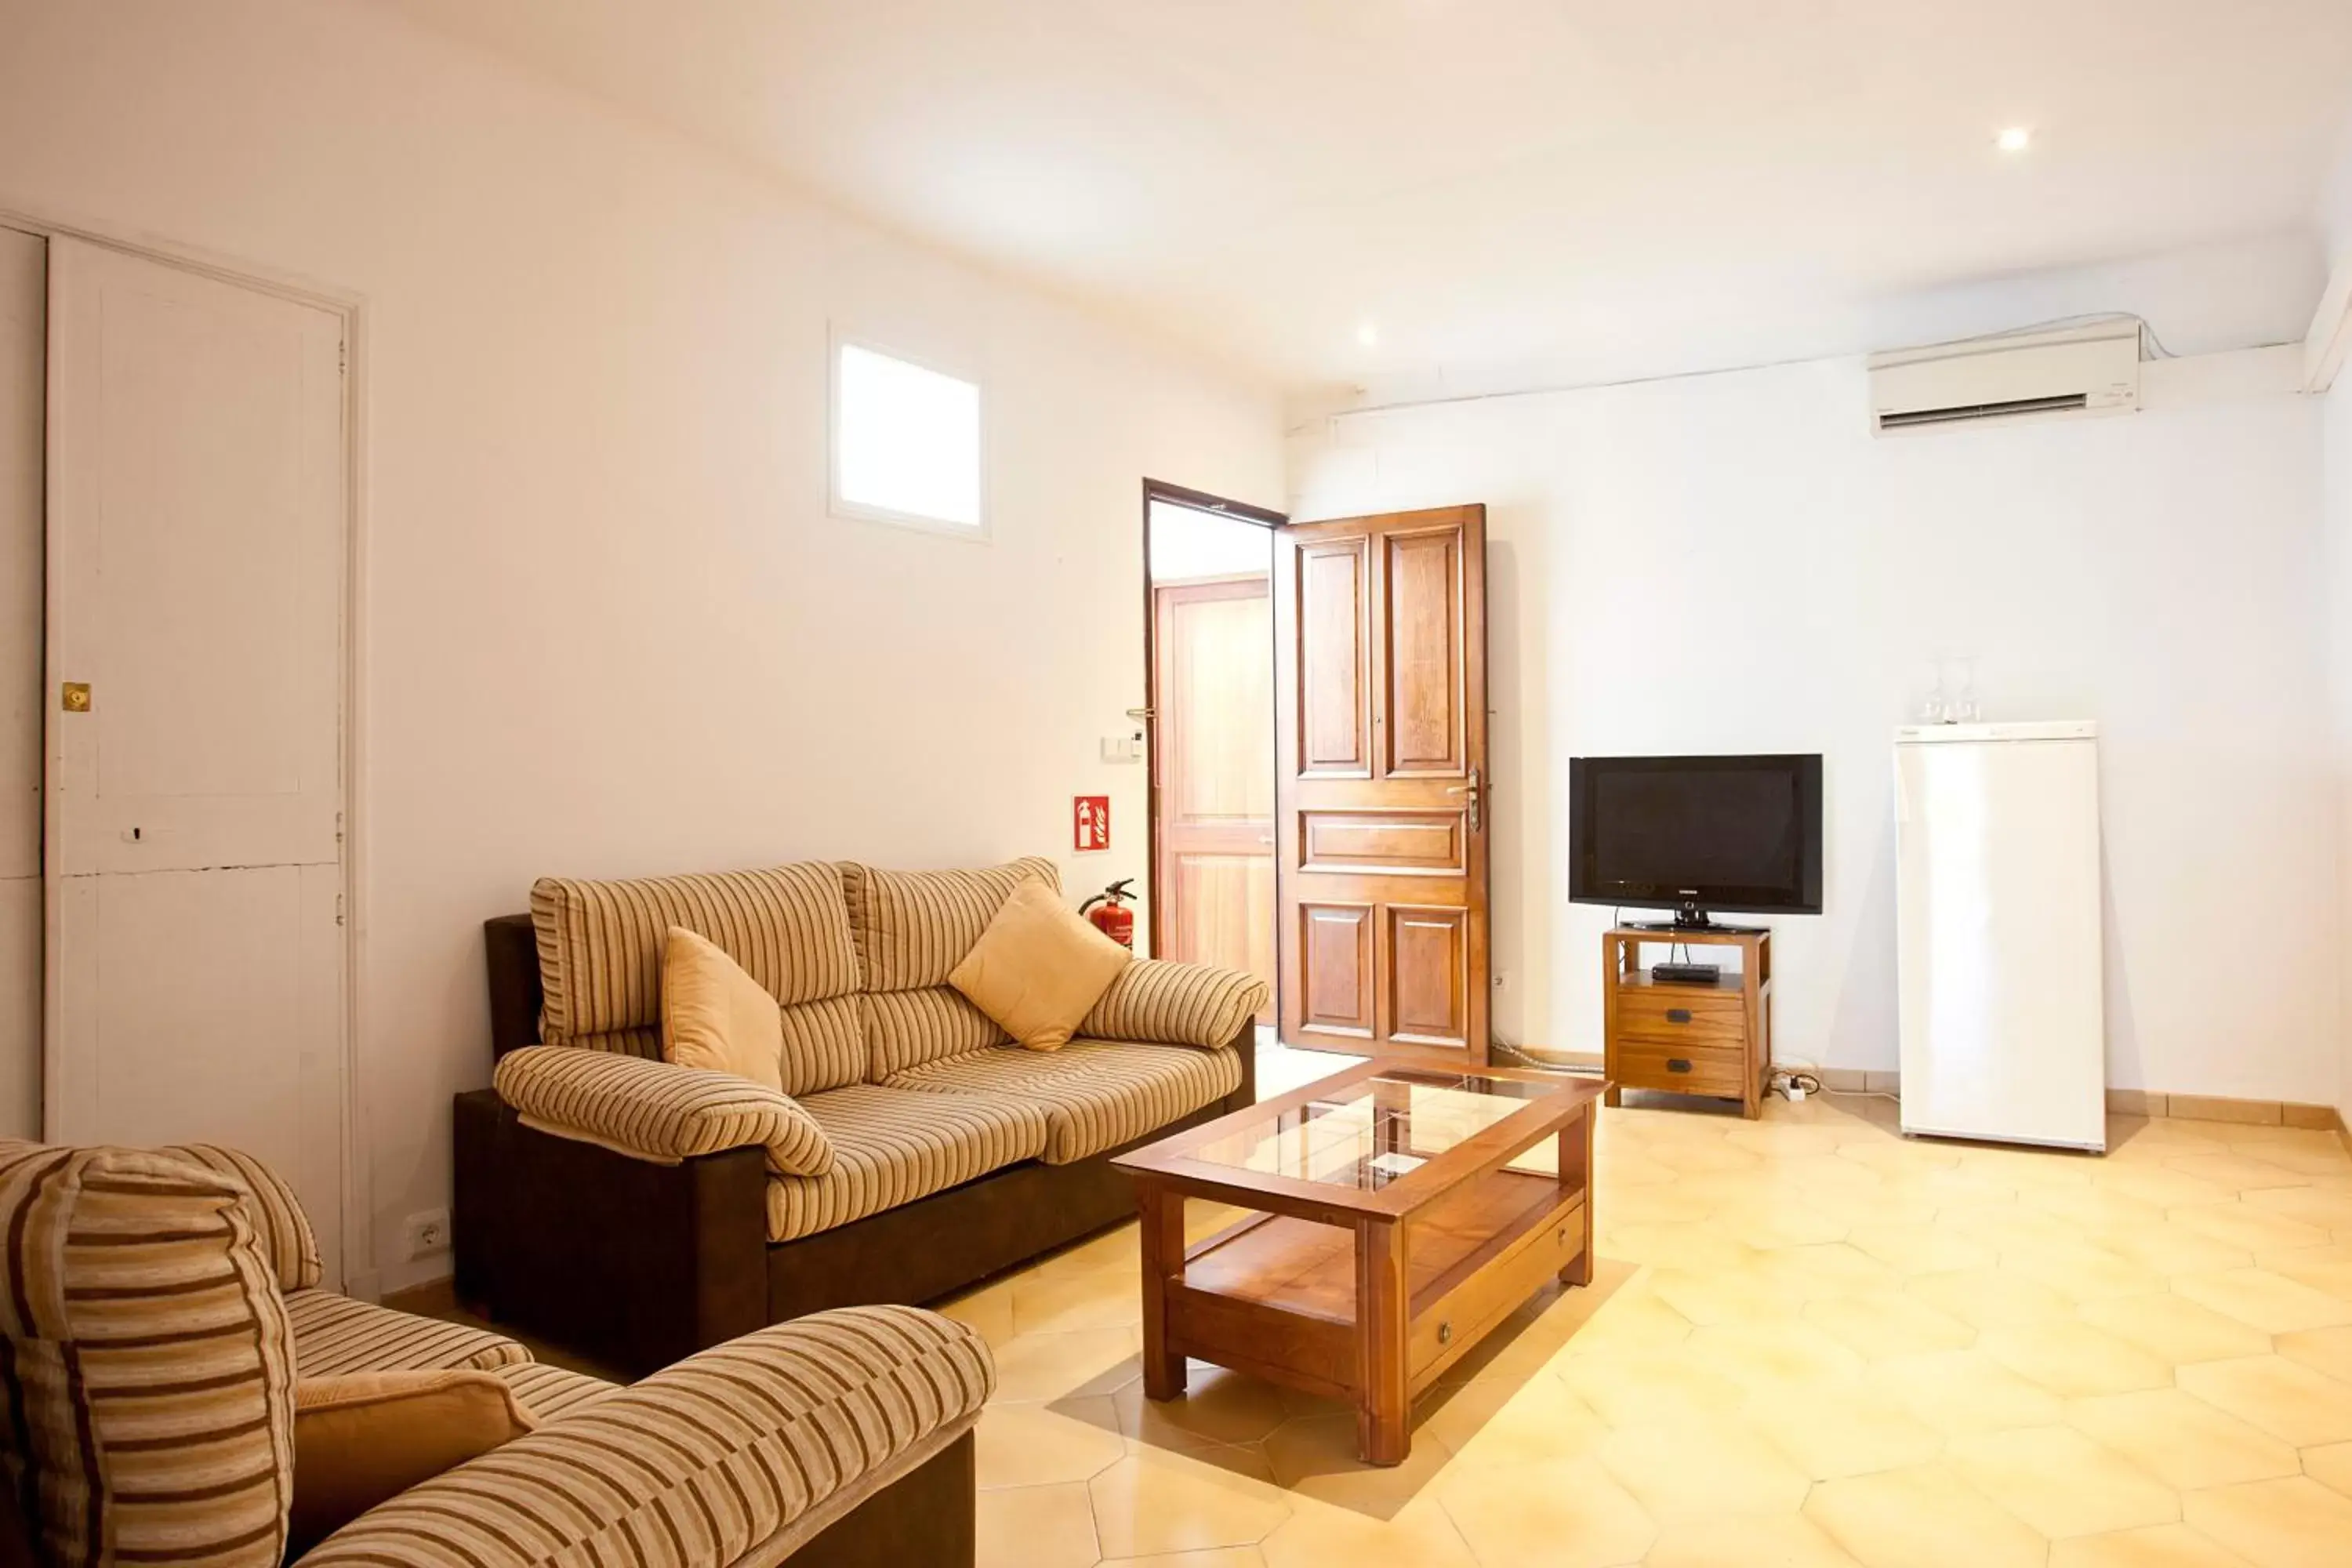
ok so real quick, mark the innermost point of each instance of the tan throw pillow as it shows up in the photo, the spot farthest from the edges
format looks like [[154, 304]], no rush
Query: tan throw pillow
[[366, 1437], [715, 1016], [1038, 968]]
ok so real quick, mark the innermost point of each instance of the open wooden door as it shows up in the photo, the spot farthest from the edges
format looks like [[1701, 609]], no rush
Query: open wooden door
[[1381, 775], [1212, 693]]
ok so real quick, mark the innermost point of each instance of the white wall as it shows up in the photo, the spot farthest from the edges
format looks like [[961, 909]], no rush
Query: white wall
[[1733, 563], [609, 628]]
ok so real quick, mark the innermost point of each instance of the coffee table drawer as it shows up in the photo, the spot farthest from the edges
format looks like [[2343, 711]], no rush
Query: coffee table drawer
[[1719, 1016], [1691, 1068]]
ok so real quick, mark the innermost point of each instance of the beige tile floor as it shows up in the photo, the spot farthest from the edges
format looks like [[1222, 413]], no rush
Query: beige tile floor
[[1809, 1341]]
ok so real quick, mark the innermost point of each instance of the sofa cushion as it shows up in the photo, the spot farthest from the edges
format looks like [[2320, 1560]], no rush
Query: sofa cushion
[[913, 927], [1096, 1094], [599, 948], [148, 1379], [335, 1334], [892, 1146], [715, 1016], [1038, 968], [907, 1028], [272, 1209], [364, 1437]]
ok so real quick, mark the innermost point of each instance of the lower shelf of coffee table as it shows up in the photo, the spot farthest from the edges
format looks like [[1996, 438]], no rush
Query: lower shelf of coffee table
[[1276, 1296]]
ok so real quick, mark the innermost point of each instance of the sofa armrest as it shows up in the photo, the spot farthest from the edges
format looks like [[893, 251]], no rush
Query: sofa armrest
[[656, 1111], [1161, 1001], [736, 1454]]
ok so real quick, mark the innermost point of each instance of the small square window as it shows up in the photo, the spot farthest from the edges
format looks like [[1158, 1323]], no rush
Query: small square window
[[906, 442]]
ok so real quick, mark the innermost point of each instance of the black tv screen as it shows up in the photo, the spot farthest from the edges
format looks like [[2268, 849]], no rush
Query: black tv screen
[[1696, 832]]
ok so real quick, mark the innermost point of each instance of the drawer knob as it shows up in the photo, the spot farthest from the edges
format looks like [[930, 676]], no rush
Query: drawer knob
[[1678, 1064], [1445, 1333], [1677, 1015]]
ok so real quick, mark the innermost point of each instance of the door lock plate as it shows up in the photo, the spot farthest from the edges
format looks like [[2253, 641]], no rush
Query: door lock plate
[[75, 697]]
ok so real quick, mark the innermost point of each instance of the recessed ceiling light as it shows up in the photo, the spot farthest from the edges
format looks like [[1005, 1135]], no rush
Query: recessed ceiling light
[[2016, 139], [1367, 335]]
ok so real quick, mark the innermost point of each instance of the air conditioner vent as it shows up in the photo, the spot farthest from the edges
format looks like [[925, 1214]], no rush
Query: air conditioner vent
[[2070, 403], [2081, 370]]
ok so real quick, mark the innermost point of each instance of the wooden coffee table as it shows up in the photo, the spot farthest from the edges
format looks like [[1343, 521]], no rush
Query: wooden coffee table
[[1391, 1232]]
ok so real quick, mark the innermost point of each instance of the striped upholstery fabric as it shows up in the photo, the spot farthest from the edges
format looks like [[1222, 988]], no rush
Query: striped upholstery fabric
[[705, 1463], [824, 1045], [907, 1028], [599, 948], [270, 1207], [652, 1111], [1164, 1002], [149, 1379], [891, 1147], [1097, 1094], [645, 1043], [334, 1334], [548, 1391], [912, 927]]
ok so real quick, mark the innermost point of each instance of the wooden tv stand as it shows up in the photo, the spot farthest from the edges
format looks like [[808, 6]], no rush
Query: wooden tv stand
[[1712, 1039]]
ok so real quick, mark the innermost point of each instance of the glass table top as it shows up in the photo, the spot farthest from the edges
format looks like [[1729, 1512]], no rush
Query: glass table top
[[1371, 1133]]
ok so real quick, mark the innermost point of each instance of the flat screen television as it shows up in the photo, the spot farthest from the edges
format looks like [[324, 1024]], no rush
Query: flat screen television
[[1696, 834]]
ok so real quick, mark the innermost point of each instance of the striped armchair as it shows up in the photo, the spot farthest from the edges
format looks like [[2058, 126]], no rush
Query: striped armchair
[[165, 1307], [638, 1211]]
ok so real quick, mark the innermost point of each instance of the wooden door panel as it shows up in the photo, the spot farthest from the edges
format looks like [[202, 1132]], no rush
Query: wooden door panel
[[1335, 961], [1426, 974], [1381, 826], [1219, 910], [1383, 843], [1213, 765], [1334, 685], [1423, 644]]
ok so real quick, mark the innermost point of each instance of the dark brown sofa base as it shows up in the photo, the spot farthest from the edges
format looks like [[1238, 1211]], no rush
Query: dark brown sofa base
[[926, 1517], [636, 1266]]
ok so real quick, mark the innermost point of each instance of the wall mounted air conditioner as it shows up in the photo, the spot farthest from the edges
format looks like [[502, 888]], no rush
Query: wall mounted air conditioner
[[2076, 370]]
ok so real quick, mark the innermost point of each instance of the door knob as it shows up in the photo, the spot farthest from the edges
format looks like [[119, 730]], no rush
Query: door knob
[[1475, 793]]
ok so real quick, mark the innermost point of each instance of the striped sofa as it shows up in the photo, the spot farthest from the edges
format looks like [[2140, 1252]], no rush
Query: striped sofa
[[638, 1211], [164, 1305]]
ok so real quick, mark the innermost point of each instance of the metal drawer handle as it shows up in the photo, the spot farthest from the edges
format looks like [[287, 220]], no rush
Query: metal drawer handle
[[1445, 1333], [1677, 1015], [1678, 1064]]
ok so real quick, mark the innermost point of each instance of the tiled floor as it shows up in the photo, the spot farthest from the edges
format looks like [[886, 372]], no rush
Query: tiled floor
[[1809, 1341]]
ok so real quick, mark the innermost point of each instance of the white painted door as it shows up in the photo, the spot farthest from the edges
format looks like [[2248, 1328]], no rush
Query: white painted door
[[196, 586], [23, 310]]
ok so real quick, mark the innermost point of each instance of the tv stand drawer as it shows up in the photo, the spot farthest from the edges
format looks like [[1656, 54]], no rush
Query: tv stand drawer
[[1697, 1015], [1692, 1068]]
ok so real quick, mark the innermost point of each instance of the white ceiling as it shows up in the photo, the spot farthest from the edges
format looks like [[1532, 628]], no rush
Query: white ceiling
[[1594, 183]]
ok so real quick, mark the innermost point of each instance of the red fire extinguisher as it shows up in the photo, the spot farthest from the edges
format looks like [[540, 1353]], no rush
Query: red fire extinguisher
[[1111, 914]]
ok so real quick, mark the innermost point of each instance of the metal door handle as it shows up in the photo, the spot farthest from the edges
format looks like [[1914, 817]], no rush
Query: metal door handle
[[1476, 795]]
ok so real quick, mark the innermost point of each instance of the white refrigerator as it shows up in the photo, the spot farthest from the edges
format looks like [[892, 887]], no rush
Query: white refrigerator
[[2002, 1015]]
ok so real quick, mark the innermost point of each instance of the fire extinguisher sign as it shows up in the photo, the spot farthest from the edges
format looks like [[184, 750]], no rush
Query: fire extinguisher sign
[[1089, 822]]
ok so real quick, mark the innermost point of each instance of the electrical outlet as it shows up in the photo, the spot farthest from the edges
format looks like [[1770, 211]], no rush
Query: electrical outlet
[[426, 1233]]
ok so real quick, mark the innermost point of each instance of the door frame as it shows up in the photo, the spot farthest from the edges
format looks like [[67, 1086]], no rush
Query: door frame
[[361, 1274], [1197, 501]]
